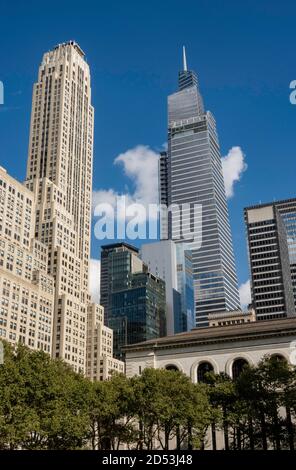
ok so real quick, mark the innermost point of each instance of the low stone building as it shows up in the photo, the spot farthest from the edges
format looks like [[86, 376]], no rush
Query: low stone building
[[221, 349], [231, 318]]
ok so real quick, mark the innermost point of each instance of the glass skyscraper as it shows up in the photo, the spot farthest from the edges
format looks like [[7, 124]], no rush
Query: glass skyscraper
[[173, 263], [134, 298], [191, 172], [287, 209]]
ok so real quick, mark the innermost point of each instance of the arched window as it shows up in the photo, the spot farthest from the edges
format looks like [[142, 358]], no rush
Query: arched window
[[278, 357], [202, 370], [171, 367], [238, 367]]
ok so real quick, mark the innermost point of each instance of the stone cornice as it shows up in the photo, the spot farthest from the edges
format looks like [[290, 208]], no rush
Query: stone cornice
[[244, 332]]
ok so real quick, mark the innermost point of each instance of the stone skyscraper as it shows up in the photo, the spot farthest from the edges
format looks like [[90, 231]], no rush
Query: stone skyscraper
[[191, 172], [59, 172]]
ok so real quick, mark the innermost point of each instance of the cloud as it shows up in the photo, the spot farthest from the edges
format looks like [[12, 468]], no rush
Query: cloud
[[233, 165], [94, 279], [140, 165], [245, 294]]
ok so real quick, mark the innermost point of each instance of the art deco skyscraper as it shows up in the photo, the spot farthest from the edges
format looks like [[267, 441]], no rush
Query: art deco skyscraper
[[191, 172], [59, 171]]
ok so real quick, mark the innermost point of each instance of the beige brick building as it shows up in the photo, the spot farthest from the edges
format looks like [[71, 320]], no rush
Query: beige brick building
[[59, 172], [100, 361], [26, 290], [45, 224]]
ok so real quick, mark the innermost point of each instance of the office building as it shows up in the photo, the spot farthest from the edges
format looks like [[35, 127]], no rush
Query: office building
[[172, 263], [118, 260], [99, 349], [59, 172], [191, 173], [136, 298], [26, 289], [287, 209], [271, 286]]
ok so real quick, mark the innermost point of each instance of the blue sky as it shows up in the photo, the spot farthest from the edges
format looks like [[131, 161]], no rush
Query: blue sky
[[243, 52]]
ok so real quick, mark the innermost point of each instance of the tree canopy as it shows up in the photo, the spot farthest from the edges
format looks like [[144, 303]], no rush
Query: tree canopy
[[44, 404]]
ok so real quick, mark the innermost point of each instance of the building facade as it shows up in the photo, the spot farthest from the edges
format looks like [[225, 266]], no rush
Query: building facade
[[137, 312], [215, 349], [118, 260], [227, 350], [287, 209], [173, 264], [59, 172], [100, 363], [26, 289], [136, 298], [271, 286], [231, 318], [191, 173]]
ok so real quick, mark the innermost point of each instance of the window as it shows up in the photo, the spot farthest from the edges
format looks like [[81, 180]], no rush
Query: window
[[171, 367], [203, 369], [238, 366]]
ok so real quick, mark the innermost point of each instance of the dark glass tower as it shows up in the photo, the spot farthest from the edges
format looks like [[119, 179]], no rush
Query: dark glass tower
[[191, 172], [133, 297]]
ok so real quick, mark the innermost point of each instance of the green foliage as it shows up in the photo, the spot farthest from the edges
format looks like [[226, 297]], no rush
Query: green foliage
[[44, 404]]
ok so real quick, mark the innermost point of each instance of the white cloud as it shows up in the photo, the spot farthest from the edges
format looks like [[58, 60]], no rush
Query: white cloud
[[233, 165], [245, 294], [94, 279], [140, 165]]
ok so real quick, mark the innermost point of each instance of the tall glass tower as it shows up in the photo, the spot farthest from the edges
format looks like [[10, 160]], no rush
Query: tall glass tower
[[191, 173]]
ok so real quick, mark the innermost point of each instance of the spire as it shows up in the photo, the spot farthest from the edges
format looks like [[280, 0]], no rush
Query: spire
[[184, 60], [187, 78]]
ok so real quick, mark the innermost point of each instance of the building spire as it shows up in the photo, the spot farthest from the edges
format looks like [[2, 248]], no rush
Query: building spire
[[184, 60]]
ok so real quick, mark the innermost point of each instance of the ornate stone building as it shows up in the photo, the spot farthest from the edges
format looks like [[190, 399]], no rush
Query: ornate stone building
[[221, 349]]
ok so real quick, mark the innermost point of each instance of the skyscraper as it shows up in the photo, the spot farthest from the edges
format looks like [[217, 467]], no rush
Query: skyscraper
[[173, 264], [118, 260], [59, 172], [287, 209], [272, 289], [136, 298], [191, 173]]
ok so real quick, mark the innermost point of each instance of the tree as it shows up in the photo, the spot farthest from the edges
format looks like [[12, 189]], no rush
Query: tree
[[170, 407]]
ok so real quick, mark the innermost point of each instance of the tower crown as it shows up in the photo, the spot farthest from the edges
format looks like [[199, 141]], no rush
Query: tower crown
[[187, 78]]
